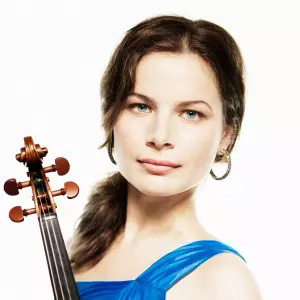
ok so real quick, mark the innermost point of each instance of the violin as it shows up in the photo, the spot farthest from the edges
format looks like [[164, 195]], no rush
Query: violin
[[61, 274]]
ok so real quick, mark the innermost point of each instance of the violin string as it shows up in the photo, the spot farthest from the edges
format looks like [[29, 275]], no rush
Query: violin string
[[51, 244], [46, 245], [59, 253]]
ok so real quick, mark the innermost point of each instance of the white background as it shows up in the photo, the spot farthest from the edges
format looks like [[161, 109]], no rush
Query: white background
[[52, 56]]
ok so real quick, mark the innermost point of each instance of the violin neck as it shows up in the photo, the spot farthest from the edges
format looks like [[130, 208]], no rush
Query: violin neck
[[61, 274]]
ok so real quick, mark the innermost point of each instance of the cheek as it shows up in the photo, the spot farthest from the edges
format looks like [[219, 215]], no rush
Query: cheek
[[201, 147], [125, 136]]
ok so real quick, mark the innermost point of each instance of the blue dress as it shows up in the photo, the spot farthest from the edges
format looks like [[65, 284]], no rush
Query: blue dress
[[154, 282]]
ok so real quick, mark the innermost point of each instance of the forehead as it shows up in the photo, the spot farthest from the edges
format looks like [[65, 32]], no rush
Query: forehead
[[173, 77]]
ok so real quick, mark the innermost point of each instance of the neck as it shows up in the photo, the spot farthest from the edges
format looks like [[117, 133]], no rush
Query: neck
[[159, 217]]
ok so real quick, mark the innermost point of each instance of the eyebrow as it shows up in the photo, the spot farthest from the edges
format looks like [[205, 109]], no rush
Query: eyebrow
[[180, 104]]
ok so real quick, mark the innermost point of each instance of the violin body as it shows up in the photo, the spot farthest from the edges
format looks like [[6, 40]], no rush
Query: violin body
[[60, 271]]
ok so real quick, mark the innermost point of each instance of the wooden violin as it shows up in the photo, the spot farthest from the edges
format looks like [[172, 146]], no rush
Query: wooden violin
[[61, 274]]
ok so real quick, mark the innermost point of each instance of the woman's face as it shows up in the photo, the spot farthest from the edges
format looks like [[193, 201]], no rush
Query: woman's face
[[163, 130]]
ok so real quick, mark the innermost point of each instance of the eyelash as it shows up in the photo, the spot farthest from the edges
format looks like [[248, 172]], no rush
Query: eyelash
[[200, 115]]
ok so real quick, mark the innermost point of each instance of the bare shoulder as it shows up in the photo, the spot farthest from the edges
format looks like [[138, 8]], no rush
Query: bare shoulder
[[227, 276], [224, 276]]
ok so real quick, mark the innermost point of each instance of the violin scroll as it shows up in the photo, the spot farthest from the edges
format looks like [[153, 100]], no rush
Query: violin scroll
[[32, 155]]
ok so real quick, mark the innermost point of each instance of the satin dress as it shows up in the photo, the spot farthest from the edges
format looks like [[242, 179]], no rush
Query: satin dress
[[155, 281]]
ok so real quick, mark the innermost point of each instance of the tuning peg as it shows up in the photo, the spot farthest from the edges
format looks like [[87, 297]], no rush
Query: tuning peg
[[62, 166], [11, 186], [71, 189], [16, 214]]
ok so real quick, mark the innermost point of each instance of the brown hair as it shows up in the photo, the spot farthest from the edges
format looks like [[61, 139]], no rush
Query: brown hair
[[104, 215]]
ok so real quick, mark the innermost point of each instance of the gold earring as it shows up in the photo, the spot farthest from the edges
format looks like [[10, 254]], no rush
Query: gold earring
[[228, 160]]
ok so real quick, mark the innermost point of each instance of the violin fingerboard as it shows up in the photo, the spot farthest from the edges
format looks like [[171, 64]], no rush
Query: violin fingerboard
[[61, 274]]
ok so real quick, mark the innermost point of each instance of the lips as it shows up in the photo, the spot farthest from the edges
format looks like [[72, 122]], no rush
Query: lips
[[157, 169], [159, 162]]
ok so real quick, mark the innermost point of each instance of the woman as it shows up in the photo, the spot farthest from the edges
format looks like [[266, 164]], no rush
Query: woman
[[173, 104]]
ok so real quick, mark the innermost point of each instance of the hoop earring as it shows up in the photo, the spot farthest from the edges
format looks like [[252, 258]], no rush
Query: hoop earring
[[228, 160], [110, 149]]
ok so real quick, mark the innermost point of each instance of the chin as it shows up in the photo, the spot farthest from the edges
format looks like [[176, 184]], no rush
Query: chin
[[157, 190]]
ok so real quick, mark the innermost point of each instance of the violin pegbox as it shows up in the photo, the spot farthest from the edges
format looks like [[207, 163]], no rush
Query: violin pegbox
[[32, 154]]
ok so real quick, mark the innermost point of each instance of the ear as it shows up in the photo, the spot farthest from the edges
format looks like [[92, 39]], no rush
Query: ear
[[227, 138]]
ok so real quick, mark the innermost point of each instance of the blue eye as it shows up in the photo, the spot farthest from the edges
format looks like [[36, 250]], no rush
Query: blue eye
[[139, 105], [192, 111]]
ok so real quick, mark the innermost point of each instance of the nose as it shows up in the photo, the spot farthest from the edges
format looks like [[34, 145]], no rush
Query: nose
[[160, 135], [160, 145]]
